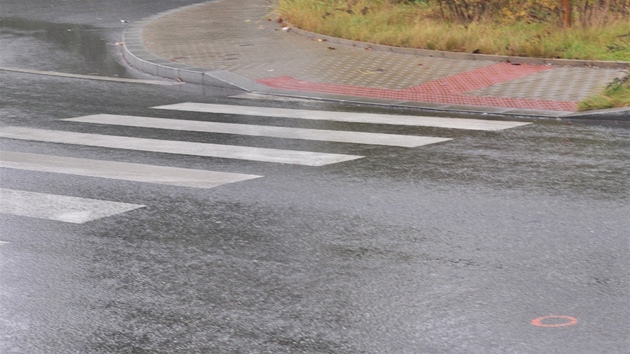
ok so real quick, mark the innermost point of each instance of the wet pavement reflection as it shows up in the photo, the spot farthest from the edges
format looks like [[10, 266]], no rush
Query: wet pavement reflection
[[69, 48]]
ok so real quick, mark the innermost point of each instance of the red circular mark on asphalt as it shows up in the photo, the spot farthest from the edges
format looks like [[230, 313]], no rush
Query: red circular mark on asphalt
[[568, 321]]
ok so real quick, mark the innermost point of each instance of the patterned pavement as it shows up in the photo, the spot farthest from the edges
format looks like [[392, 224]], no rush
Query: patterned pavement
[[243, 37]]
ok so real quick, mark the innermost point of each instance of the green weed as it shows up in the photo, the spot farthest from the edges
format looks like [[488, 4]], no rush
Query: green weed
[[616, 94]]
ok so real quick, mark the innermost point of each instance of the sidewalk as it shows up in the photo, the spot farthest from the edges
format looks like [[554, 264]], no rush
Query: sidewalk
[[240, 43]]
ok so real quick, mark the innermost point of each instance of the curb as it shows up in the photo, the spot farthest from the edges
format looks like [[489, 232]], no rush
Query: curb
[[602, 114], [136, 55]]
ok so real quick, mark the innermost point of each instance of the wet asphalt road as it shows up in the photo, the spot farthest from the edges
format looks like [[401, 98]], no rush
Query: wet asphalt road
[[447, 248]]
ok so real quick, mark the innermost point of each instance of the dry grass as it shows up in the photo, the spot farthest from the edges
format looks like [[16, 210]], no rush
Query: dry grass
[[418, 24]]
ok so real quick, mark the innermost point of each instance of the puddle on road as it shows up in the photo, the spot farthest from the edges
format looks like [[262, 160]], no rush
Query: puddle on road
[[69, 48]]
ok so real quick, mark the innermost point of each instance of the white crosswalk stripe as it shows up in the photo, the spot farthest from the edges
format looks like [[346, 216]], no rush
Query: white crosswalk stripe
[[120, 170], [177, 147], [372, 118], [59, 207], [262, 130]]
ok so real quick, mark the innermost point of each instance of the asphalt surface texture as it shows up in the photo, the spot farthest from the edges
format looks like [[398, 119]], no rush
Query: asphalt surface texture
[[510, 241]]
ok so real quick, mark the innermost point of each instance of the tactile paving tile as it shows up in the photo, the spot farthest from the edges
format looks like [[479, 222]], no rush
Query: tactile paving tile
[[561, 83], [289, 83]]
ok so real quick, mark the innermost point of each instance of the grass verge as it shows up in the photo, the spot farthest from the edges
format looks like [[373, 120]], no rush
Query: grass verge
[[417, 25], [616, 94]]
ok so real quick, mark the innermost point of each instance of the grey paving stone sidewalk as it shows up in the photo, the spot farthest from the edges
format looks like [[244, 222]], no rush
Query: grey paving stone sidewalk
[[243, 37]]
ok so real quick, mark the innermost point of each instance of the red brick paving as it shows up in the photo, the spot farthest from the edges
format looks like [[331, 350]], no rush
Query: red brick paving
[[448, 90]]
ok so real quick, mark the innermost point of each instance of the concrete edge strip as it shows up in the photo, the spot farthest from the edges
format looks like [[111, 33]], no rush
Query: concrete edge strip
[[88, 77]]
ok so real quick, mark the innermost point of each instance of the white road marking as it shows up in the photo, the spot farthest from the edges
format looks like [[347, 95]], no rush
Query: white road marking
[[265, 97], [177, 147], [120, 170], [90, 77], [262, 130], [453, 123], [59, 207]]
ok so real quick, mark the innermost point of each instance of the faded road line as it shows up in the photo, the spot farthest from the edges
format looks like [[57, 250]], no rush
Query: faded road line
[[90, 77]]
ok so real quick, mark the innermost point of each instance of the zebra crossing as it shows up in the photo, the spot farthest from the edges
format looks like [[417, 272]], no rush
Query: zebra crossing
[[72, 209], [59, 207]]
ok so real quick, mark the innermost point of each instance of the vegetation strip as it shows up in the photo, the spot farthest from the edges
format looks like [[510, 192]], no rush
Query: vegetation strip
[[601, 29]]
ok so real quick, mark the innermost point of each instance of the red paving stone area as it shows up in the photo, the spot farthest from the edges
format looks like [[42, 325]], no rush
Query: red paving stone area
[[448, 90]]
